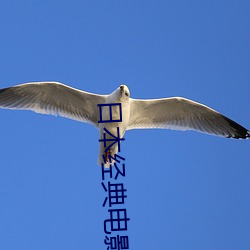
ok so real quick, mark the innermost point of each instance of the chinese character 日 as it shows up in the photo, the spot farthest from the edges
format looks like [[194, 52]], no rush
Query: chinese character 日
[[110, 105]]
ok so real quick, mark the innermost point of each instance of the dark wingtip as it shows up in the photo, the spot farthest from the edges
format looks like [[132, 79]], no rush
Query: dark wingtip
[[248, 134], [239, 131], [3, 90]]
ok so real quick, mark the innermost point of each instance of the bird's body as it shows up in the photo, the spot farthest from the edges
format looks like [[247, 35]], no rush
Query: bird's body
[[167, 113], [114, 97]]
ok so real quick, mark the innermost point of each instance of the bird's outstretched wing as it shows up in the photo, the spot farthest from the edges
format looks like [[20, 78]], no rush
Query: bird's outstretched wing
[[182, 114], [53, 98]]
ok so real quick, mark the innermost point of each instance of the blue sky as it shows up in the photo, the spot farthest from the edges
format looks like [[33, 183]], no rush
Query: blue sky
[[186, 190]]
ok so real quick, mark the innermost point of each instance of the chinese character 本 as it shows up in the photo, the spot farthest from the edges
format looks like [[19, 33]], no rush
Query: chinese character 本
[[115, 140]]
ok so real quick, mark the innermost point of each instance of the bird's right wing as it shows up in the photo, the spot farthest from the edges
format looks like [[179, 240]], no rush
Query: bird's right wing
[[53, 98], [182, 114]]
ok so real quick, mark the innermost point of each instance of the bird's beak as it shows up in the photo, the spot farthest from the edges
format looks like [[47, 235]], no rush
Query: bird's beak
[[122, 88]]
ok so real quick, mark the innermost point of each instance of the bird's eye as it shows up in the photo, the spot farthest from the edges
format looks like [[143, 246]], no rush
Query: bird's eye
[[126, 93]]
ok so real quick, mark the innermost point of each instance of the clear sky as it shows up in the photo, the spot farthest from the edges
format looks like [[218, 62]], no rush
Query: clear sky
[[185, 190]]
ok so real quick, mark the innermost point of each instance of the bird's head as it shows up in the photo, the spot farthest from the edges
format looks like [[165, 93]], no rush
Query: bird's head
[[124, 91], [121, 94]]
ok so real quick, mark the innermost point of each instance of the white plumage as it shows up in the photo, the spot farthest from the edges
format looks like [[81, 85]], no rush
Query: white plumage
[[168, 113]]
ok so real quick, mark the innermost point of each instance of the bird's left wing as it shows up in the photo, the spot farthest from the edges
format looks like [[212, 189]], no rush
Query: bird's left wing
[[182, 114], [53, 98]]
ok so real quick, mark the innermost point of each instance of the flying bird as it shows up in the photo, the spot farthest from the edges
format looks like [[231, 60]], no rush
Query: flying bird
[[175, 113]]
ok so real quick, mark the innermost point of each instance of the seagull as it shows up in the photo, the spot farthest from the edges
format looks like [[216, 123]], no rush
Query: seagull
[[175, 113]]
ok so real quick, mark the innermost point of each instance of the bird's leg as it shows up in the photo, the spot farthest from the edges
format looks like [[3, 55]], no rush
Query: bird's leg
[[107, 155]]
